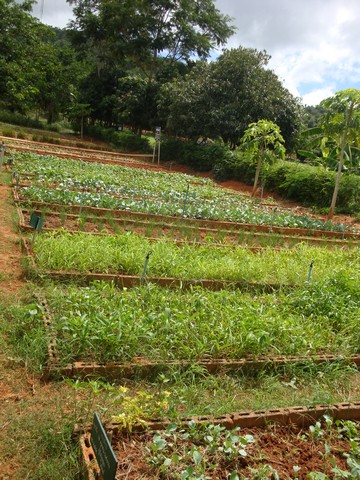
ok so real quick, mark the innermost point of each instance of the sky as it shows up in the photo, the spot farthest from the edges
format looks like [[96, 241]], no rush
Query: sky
[[314, 44]]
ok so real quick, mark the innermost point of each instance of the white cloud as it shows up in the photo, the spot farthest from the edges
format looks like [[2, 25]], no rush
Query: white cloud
[[314, 97], [53, 12], [314, 44]]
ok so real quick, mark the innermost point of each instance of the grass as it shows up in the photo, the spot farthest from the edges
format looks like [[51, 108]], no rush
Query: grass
[[194, 392], [126, 254], [35, 425], [41, 422], [100, 323]]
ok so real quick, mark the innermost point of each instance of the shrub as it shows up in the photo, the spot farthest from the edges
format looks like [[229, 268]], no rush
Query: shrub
[[200, 157], [172, 149], [313, 185], [18, 119], [129, 142], [21, 135], [8, 132], [306, 184], [54, 127], [125, 141], [203, 157], [236, 165]]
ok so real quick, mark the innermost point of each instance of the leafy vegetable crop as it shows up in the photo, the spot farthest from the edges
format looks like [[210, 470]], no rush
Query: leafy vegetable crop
[[101, 323], [126, 254], [118, 187]]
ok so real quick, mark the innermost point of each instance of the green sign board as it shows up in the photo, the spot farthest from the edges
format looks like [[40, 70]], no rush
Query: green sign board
[[104, 453], [36, 221]]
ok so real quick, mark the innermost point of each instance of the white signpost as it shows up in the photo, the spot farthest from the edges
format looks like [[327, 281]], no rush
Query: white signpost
[[157, 144]]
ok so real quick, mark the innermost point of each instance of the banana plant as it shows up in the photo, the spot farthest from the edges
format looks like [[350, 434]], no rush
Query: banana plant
[[341, 124], [323, 150]]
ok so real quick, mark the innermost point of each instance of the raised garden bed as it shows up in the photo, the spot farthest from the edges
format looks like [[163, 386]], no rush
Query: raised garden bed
[[239, 228], [128, 255], [85, 154], [154, 192], [177, 230], [93, 331], [279, 443], [143, 368]]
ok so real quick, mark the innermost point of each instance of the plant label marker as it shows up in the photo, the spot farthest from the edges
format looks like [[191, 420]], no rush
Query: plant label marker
[[15, 177], [81, 202], [36, 222], [145, 268], [104, 453], [2, 154], [310, 270]]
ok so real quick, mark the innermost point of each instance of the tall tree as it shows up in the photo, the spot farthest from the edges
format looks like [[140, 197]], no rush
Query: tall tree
[[142, 30], [37, 69], [20, 38], [223, 97], [341, 123]]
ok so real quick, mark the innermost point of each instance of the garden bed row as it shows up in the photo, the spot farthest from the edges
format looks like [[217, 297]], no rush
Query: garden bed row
[[123, 280], [212, 224], [143, 368], [77, 152], [177, 230], [133, 160], [255, 439], [120, 187]]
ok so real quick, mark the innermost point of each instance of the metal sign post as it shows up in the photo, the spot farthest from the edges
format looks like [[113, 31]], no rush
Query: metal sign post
[[2, 154], [185, 201], [145, 268], [157, 144], [310, 270]]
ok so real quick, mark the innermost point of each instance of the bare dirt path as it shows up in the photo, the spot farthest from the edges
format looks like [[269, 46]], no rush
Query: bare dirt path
[[11, 275], [27, 405], [13, 383]]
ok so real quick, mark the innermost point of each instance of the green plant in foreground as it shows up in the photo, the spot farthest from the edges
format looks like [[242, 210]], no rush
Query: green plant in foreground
[[196, 450], [139, 407]]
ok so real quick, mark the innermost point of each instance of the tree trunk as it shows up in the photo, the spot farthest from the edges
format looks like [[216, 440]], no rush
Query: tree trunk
[[331, 212], [257, 174], [348, 117]]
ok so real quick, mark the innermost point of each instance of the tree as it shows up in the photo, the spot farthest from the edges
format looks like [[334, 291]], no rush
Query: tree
[[264, 142], [223, 97], [341, 123], [142, 31], [37, 66], [20, 38], [185, 103]]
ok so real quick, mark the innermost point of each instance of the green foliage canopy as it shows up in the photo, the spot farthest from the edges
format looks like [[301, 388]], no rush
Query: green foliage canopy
[[223, 97], [140, 31]]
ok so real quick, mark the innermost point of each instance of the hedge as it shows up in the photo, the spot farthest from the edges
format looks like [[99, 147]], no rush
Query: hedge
[[307, 184], [125, 141]]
